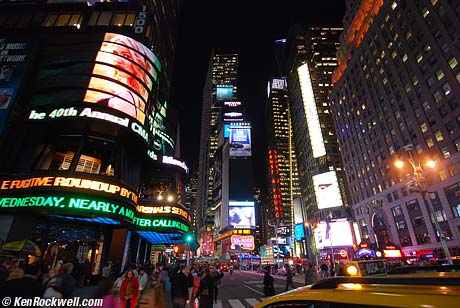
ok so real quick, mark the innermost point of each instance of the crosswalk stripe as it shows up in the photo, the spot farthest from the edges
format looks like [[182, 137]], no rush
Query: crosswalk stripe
[[252, 301], [236, 303], [218, 304]]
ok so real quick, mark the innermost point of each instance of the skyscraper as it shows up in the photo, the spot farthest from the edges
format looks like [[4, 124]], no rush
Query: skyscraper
[[396, 94], [283, 182], [309, 60], [220, 84]]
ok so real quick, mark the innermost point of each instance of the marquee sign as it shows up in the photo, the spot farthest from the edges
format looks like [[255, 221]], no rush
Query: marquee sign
[[174, 210], [87, 206], [68, 182]]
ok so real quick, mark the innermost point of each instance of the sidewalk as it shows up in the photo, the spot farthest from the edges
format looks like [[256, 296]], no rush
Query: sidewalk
[[148, 297]]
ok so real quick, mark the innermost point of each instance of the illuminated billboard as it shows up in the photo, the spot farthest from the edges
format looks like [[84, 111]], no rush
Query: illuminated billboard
[[338, 235], [241, 214], [14, 56], [123, 77], [299, 232], [224, 91], [240, 141], [244, 241], [327, 190], [311, 113]]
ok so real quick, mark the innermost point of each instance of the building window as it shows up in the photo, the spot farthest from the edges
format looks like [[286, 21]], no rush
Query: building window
[[362, 222], [423, 127], [442, 173], [438, 135], [396, 211], [456, 210], [401, 225], [429, 142], [457, 144], [445, 152], [441, 215], [453, 63], [439, 74], [437, 97], [446, 88]]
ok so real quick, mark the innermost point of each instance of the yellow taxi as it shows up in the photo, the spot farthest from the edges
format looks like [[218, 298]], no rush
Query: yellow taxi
[[425, 290]]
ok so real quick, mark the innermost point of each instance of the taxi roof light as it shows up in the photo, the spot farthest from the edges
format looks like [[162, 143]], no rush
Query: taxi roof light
[[352, 270]]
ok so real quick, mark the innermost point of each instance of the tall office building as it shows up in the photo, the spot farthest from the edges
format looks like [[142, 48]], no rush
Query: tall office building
[[396, 94], [221, 84], [308, 58], [283, 182]]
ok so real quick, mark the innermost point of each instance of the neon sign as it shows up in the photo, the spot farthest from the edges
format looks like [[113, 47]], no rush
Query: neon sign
[[89, 113], [56, 181], [172, 161], [245, 242], [164, 210], [87, 206]]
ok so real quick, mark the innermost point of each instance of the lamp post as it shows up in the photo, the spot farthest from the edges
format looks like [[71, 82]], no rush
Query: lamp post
[[275, 229], [422, 188]]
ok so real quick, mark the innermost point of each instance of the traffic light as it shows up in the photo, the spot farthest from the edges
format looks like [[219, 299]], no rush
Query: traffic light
[[188, 238], [176, 249]]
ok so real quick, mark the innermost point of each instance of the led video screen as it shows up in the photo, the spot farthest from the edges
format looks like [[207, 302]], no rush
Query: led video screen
[[327, 190], [224, 91], [339, 235], [123, 76], [241, 216], [240, 142]]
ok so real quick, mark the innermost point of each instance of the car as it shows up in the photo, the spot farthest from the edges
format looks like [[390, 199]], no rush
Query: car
[[413, 290], [281, 271], [224, 268]]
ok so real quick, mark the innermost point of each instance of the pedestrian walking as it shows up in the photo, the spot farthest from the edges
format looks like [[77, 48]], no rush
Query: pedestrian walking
[[129, 291], [206, 290], [104, 291], [217, 277], [159, 298], [310, 274], [289, 276], [269, 288], [179, 287], [66, 281], [324, 270]]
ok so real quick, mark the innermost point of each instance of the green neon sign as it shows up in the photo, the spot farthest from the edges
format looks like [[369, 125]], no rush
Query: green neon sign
[[91, 207]]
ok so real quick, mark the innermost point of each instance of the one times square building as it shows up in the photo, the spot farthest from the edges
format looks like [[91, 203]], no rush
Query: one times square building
[[87, 131]]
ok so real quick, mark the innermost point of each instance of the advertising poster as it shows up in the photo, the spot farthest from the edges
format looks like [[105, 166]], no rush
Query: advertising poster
[[14, 56], [327, 190], [240, 142], [339, 234], [123, 76], [241, 216], [224, 91]]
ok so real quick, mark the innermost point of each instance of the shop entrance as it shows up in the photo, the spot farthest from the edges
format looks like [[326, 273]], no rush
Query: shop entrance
[[80, 245]]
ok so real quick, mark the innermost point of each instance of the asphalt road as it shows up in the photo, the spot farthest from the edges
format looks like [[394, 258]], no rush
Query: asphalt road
[[244, 289]]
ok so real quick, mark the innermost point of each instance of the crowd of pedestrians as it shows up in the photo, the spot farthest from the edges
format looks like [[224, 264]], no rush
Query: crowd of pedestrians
[[190, 287]]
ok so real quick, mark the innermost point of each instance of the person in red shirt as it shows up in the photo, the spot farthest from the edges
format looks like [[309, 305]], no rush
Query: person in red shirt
[[129, 291]]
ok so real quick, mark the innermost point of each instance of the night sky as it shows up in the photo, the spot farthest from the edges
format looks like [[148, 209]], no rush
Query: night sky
[[248, 28]]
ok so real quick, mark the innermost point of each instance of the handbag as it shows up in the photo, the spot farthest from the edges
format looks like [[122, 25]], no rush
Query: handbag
[[205, 292]]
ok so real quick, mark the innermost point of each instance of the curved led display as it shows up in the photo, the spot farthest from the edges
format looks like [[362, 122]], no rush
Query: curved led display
[[90, 206], [124, 75]]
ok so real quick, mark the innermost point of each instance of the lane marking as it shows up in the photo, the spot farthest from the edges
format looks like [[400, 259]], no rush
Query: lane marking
[[218, 304], [253, 290], [252, 301], [236, 303]]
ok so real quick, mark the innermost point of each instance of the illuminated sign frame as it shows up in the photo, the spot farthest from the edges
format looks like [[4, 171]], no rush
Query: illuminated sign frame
[[160, 209], [311, 113]]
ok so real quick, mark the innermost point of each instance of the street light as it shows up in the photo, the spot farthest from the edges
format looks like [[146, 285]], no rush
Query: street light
[[421, 183]]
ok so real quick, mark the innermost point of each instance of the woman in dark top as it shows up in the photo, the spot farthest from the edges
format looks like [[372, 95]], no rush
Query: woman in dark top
[[206, 290], [269, 289]]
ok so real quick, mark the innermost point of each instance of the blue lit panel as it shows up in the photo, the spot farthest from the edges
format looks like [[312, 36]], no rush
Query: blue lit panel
[[156, 238], [98, 220]]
